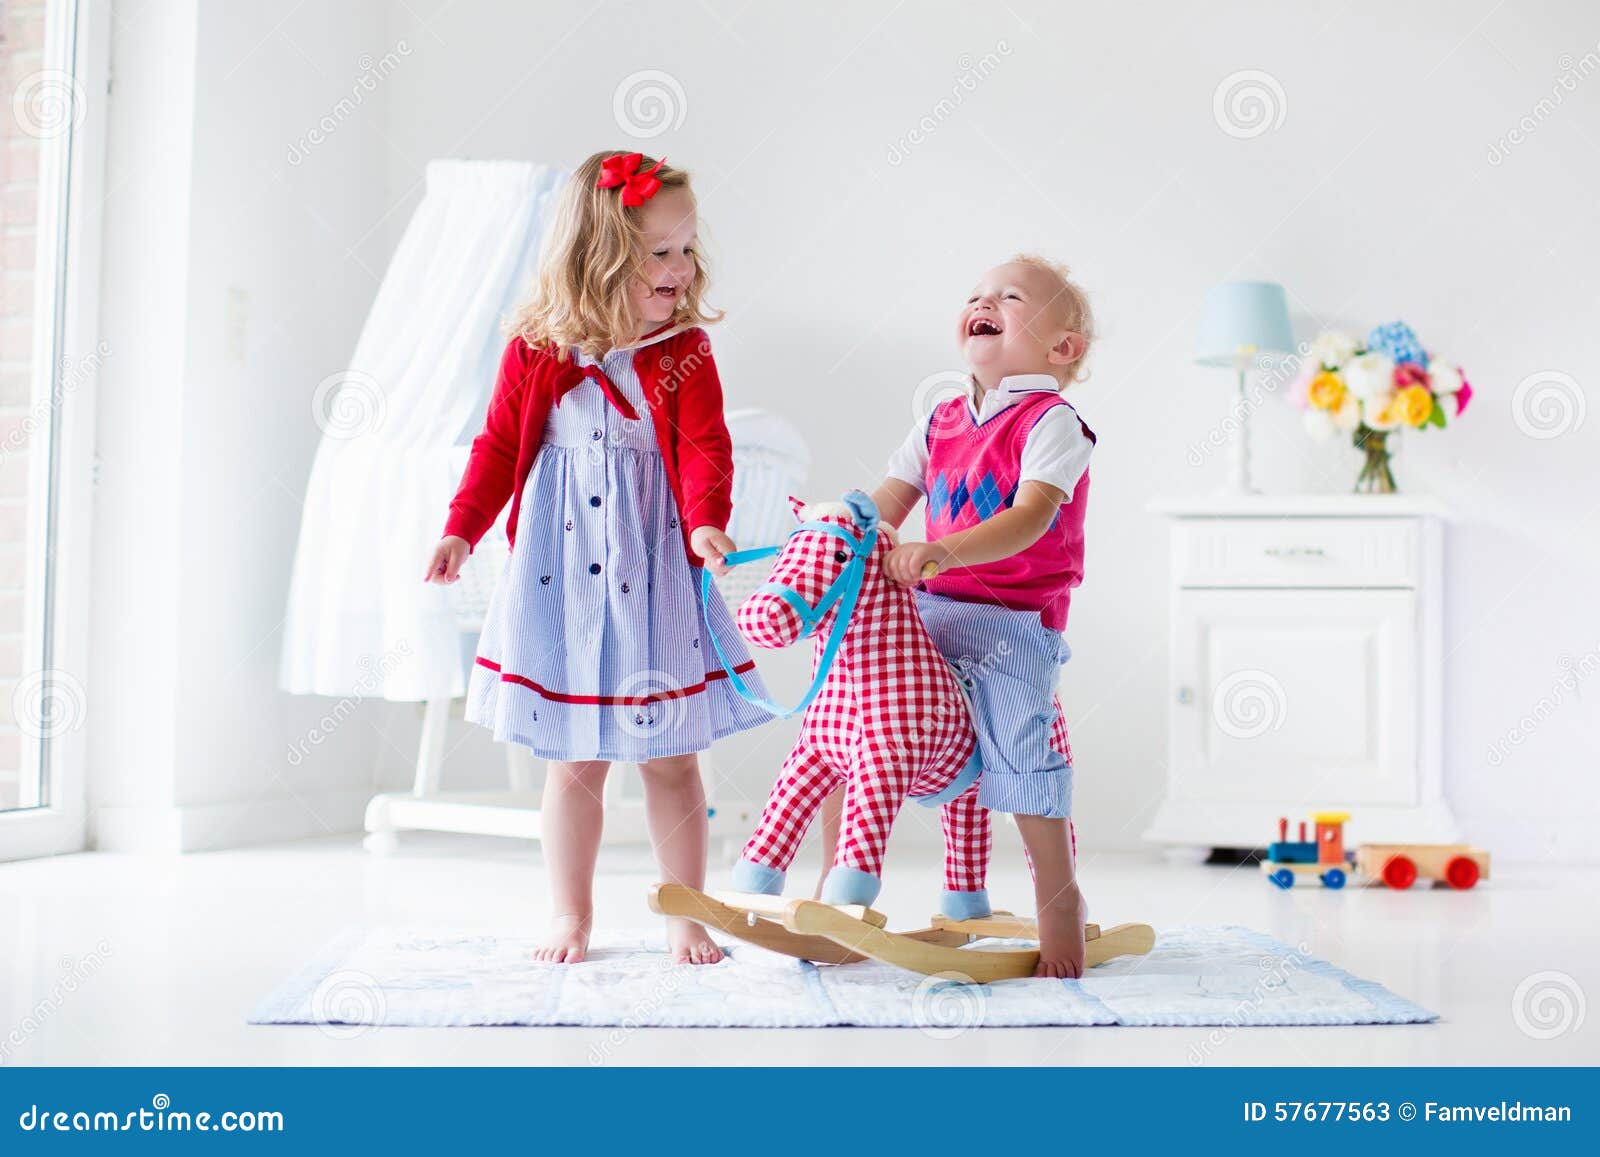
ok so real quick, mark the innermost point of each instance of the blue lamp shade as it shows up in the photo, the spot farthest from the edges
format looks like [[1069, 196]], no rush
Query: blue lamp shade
[[1240, 318]]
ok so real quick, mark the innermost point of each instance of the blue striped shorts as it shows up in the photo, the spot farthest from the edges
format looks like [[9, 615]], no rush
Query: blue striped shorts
[[1010, 663]]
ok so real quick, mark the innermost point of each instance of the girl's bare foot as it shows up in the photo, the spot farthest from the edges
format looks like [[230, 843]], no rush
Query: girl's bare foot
[[1061, 943], [567, 941], [690, 943]]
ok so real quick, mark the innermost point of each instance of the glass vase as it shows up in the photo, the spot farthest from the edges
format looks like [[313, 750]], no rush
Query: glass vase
[[1376, 477]]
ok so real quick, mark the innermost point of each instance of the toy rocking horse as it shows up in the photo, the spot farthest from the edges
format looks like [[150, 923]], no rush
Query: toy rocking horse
[[886, 719]]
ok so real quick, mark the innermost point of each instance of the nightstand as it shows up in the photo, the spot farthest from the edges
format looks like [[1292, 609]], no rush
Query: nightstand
[[1305, 667]]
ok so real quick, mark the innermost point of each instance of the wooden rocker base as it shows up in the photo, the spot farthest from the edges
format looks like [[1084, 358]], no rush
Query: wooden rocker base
[[824, 934], [745, 924]]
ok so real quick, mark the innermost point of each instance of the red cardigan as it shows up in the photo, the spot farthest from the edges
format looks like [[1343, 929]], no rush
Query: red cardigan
[[682, 393]]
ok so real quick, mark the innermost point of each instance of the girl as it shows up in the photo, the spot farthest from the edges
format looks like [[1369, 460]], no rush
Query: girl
[[605, 431]]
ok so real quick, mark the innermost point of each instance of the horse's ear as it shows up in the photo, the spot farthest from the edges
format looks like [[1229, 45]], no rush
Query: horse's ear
[[797, 506], [862, 509]]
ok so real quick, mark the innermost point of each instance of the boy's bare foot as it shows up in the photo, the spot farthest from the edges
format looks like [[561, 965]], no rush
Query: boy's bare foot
[[567, 941], [1061, 944], [690, 943]]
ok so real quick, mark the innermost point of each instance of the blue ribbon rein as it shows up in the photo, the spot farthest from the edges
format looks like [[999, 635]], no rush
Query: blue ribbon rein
[[853, 576]]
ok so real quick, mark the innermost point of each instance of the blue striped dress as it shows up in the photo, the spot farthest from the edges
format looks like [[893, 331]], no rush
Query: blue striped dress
[[594, 644]]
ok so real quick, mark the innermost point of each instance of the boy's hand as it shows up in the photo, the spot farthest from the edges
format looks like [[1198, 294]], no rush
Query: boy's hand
[[713, 546], [905, 564], [445, 565]]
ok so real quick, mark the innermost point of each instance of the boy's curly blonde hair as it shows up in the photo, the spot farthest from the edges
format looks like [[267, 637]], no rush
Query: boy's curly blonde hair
[[593, 247], [1073, 311]]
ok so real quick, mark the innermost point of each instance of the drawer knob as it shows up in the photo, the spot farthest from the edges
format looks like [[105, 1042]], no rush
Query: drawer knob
[[1293, 551]]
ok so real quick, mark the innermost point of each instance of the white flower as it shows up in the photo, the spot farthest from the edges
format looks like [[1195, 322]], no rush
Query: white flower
[[1446, 376], [1348, 415], [1332, 348], [1373, 408], [1369, 375], [1320, 424]]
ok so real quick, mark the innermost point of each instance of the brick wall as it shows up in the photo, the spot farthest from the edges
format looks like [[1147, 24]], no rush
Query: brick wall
[[21, 55]]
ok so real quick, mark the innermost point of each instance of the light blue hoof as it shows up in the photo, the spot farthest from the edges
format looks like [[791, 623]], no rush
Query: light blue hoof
[[850, 886], [965, 905], [749, 877]]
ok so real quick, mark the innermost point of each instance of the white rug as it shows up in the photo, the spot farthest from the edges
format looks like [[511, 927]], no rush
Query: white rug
[[1195, 976]]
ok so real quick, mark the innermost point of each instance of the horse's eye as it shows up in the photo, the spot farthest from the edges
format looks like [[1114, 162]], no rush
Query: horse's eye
[[840, 556]]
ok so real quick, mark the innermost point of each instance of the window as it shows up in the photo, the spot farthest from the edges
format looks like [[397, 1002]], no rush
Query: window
[[44, 362]]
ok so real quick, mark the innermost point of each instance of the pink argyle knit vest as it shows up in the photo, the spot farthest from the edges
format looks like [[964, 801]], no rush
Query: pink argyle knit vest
[[973, 472]]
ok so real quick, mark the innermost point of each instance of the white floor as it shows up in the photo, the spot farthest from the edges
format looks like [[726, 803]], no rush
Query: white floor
[[122, 960]]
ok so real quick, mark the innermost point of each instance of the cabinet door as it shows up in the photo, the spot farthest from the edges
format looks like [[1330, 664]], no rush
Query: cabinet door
[[1297, 696]]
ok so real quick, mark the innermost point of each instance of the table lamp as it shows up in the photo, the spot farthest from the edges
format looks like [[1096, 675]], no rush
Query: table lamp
[[1239, 321]]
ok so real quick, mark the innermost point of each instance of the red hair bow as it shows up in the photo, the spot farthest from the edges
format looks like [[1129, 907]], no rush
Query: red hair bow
[[623, 169]]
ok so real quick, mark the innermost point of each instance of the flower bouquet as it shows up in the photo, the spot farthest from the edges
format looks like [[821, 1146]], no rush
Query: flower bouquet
[[1374, 390]]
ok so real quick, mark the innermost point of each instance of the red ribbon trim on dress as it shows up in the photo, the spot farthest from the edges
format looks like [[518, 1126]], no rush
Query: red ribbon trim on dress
[[612, 700]]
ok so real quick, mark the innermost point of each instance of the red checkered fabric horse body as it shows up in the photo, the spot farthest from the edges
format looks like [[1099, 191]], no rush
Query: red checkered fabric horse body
[[890, 721]]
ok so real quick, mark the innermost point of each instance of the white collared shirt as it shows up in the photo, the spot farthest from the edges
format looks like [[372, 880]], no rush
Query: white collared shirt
[[1056, 452]]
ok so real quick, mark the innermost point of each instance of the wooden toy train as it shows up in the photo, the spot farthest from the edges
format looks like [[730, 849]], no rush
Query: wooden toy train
[[1325, 860]]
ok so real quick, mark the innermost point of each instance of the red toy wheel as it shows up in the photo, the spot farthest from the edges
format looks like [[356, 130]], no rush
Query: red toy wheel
[[1461, 872], [1400, 872]]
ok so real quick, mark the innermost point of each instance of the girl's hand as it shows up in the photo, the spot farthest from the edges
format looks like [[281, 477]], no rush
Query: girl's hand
[[905, 564], [713, 546], [445, 566]]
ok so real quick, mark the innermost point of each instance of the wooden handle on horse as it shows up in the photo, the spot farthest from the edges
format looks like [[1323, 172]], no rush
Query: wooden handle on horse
[[929, 569]]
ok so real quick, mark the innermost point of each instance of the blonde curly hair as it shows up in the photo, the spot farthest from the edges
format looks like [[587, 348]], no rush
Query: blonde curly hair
[[1073, 310], [594, 245]]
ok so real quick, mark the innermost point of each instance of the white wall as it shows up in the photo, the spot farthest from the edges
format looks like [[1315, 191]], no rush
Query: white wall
[[1092, 139], [132, 746], [234, 278]]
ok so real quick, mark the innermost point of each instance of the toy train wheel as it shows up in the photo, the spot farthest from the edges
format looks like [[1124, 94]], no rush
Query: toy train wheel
[[1400, 872], [1333, 878], [1283, 877], [1461, 873]]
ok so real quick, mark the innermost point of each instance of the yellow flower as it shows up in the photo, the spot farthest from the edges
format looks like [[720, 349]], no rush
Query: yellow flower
[[1415, 403], [1327, 391], [1382, 412]]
